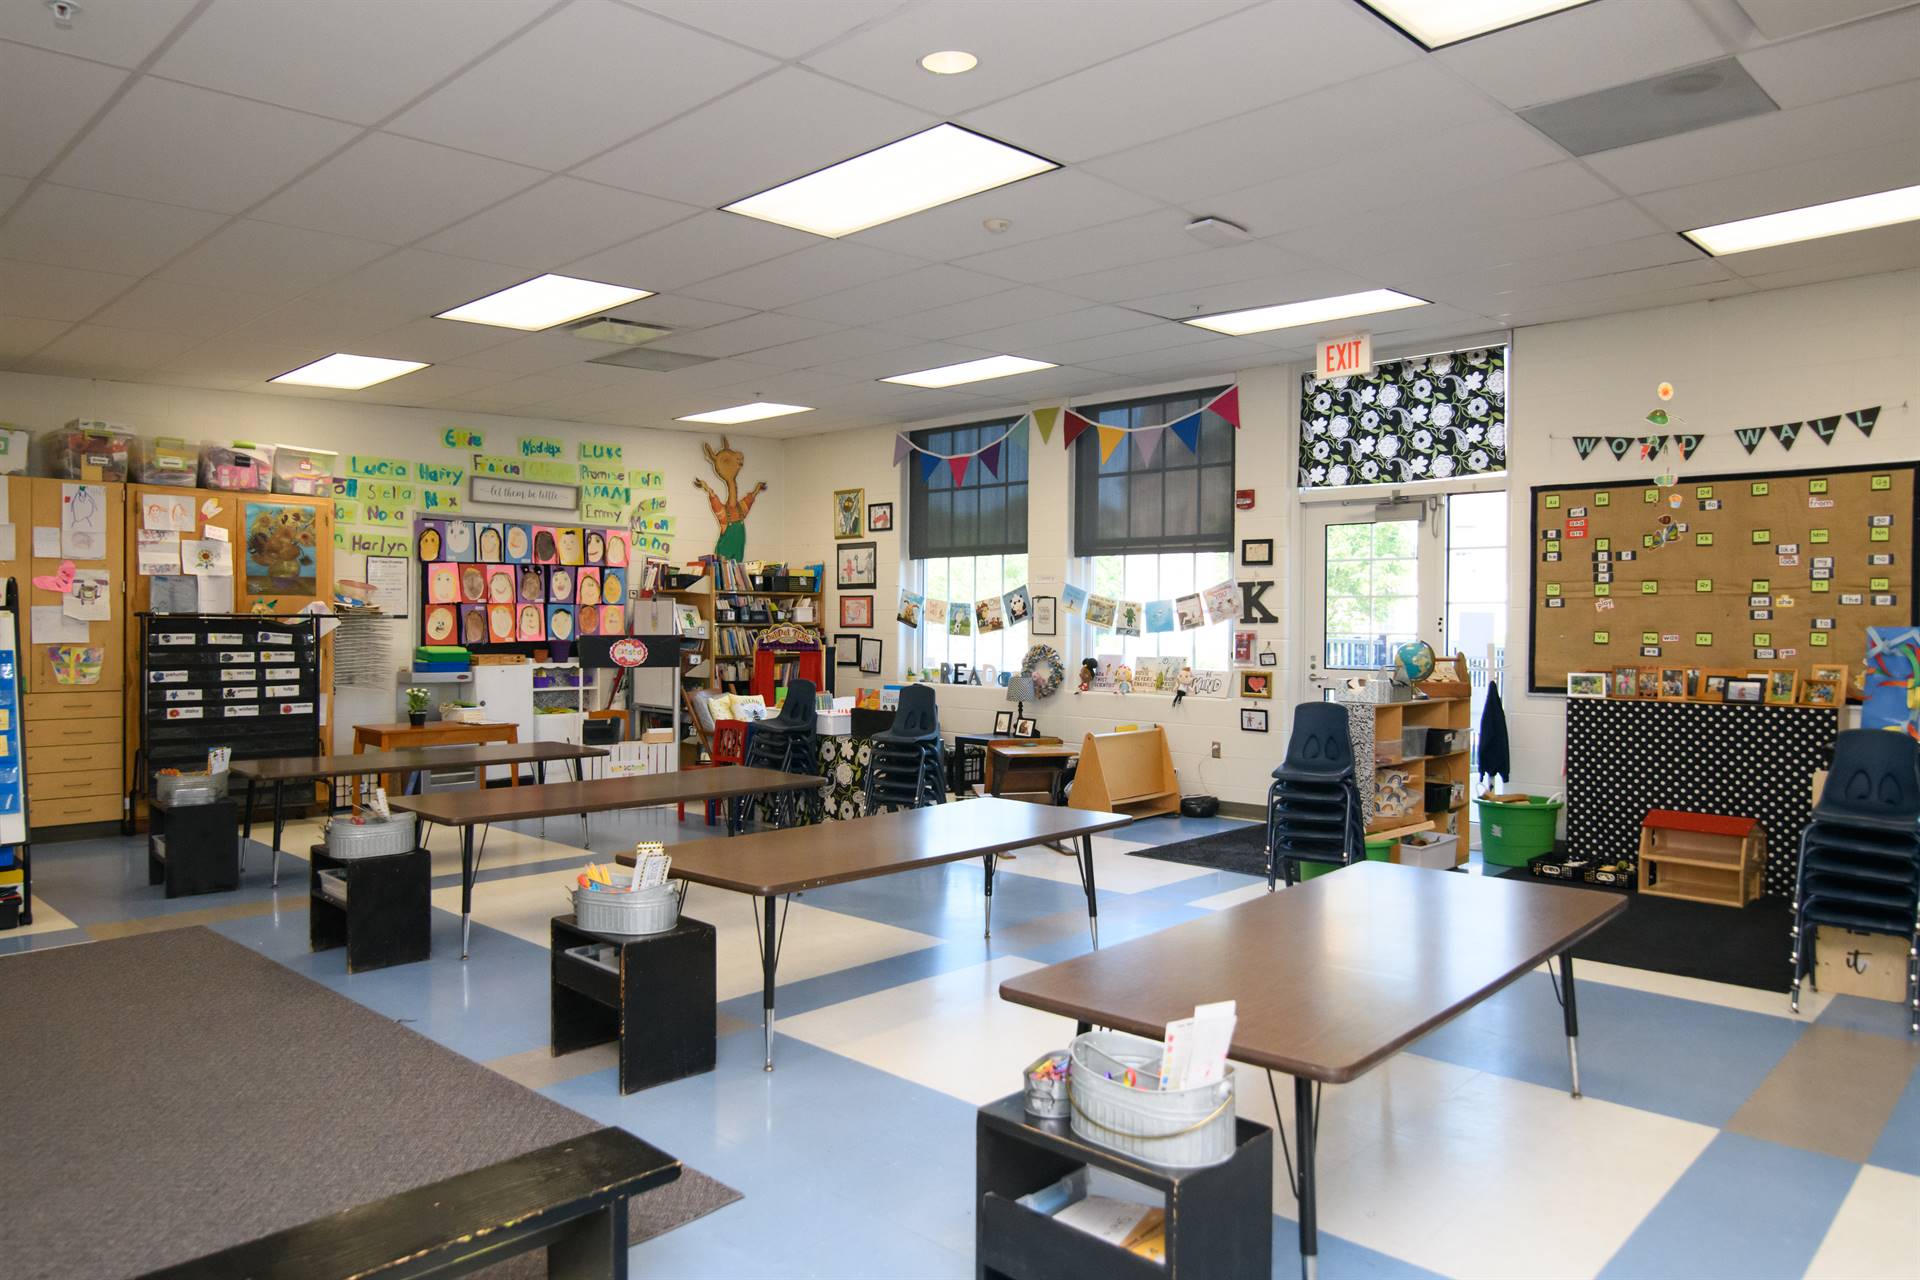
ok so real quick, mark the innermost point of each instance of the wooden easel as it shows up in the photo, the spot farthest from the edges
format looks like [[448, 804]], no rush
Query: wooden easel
[[1130, 772]]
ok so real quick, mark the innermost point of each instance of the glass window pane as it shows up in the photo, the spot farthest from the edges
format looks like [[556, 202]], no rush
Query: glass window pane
[[1143, 498], [1216, 438], [1183, 503], [1395, 538], [1113, 507], [1216, 503], [1349, 541]]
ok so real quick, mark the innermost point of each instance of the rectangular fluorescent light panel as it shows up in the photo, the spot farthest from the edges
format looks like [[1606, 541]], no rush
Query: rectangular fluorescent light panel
[[1288, 315], [347, 373], [940, 165], [747, 413], [952, 375], [543, 302], [1835, 218], [1438, 23]]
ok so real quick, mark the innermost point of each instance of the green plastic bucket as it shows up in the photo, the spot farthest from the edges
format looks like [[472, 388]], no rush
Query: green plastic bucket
[[1314, 870], [1512, 833], [1380, 850]]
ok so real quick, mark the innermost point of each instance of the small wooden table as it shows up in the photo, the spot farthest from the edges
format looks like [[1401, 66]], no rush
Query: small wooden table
[[1332, 976], [770, 865], [278, 771], [469, 809], [434, 733]]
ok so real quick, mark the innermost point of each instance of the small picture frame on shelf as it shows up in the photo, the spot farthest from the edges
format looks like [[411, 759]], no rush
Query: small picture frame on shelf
[[1745, 689], [1003, 722], [1673, 684], [1256, 551], [1024, 728], [870, 654], [1625, 683], [879, 517], [1253, 719], [1783, 687], [1586, 684], [1825, 686], [846, 650], [1713, 684], [856, 611], [1647, 683]]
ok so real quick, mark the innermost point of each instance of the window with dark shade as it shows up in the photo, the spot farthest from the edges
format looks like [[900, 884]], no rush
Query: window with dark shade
[[985, 515], [1179, 500]]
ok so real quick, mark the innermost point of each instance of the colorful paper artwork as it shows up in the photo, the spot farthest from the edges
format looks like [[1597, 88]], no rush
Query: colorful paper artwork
[[281, 544], [76, 663]]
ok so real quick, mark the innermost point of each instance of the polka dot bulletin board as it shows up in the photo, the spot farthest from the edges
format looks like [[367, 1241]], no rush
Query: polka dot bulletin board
[[1749, 572]]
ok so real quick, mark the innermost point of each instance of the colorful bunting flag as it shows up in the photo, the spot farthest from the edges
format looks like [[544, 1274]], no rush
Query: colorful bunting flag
[[1077, 424], [1227, 405], [1650, 446], [929, 463], [1864, 419], [959, 466], [1825, 428], [1687, 443], [1110, 438], [1584, 445], [1187, 431], [1786, 433], [1618, 446], [1045, 420], [1749, 437], [1149, 443], [901, 448]]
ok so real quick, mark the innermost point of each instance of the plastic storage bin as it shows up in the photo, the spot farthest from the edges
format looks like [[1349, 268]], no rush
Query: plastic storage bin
[[1513, 833], [166, 460], [1180, 1128], [307, 473], [1434, 849], [239, 466], [14, 443], [87, 449], [180, 789], [642, 911], [347, 839]]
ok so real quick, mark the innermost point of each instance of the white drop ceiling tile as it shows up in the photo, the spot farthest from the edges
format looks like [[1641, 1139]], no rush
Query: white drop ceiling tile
[[336, 322], [416, 284], [592, 75], [701, 378], [1145, 238], [1485, 283], [791, 386], [535, 388], [1778, 19], [1316, 281], [337, 60], [555, 222], [1046, 204], [193, 147], [1058, 384], [900, 295], [423, 386], [437, 341], [1192, 270], [41, 292], [1366, 113], [45, 99], [1534, 193], [611, 398], [1864, 55], [120, 32], [1881, 249], [1197, 358], [1006, 307], [240, 356], [674, 311], [10, 190], [99, 232], [785, 30], [841, 344], [263, 257], [1595, 46], [21, 336], [886, 364], [737, 337], [395, 190], [708, 244], [1020, 43], [1878, 117], [127, 350], [1597, 291], [771, 131], [195, 310], [532, 353], [1160, 336], [1088, 322], [1834, 176], [1186, 80], [810, 273]]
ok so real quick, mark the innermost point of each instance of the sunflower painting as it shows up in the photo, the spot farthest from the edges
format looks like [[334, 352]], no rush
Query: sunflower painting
[[281, 546]]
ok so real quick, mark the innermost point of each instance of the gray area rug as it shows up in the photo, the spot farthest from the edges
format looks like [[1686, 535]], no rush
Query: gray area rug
[[188, 1094], [1243, 849]]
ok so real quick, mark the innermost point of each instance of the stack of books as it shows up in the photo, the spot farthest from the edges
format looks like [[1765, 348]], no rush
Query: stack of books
[[441, 657]]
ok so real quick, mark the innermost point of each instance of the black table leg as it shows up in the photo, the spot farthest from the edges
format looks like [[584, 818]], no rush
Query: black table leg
[[469, 867], [279, 825], [1086, 882], [1303, 1122], [988, 860], [593, 1247], [769, 960], [1572, 1013], [246, 822]]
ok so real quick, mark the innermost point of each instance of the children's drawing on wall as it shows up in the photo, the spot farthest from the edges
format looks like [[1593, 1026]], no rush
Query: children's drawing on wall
[[732, 513], [281, 542]]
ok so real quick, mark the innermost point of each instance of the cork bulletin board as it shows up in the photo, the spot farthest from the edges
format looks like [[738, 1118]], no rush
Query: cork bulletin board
[[1780, 569]]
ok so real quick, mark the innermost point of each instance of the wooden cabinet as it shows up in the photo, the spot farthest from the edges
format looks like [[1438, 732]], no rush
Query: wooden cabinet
[[1419, 749]]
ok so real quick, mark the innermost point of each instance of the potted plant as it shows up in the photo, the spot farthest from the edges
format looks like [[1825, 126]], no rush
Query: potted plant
[[417, 706]]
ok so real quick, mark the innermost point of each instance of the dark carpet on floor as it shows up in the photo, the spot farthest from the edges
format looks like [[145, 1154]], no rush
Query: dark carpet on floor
[[1243, 850]]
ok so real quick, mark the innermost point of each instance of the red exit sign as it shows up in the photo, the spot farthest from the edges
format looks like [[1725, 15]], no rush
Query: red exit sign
[[1344, 357]]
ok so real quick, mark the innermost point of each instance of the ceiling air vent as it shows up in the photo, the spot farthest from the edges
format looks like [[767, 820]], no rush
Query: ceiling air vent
[[650, 359], [1677, 102]]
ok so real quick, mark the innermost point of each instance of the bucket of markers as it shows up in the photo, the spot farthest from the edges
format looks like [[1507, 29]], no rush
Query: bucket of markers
[[1116, 1099], [1047, 1086]]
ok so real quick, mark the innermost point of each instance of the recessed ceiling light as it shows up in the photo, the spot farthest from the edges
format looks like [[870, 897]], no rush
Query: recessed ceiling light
[[930, 168], [950, 62], [747, 413], [543, 302], [1438, 23], [952, 375], [1835, 218], [347, 373], [1315, 310]]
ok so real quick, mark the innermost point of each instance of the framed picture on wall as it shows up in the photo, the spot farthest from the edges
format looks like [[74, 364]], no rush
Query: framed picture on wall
[[857, 565], [1253, 720], [1256, 684], [870, 650], [879, 517], [856, 611], [848, 507], [846, 650], [1256, 551], [1046, 614], [1586, 684]]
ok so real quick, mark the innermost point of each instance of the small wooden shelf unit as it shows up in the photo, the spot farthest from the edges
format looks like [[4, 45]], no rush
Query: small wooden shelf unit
[[1129, 772], [1390, 722], [722, 660], [1702, 857]]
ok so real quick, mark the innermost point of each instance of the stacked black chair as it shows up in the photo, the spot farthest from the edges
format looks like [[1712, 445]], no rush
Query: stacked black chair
[[1860, 855], [790, 743], [1313, 806], [908, 767]]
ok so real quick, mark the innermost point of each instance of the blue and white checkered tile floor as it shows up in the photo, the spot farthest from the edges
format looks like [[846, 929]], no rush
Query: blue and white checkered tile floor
[[1720, 1135]]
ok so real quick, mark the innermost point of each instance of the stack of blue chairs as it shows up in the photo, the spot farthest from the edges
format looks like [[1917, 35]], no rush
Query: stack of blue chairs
[[1313, 806], [790, 743], [1860, 855], [908, 766]]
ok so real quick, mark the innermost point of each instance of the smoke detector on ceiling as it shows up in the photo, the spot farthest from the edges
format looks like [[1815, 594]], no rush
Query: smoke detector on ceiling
[[1217, 233]]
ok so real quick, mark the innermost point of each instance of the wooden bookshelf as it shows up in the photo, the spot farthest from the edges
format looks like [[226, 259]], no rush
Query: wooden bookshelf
[[734, 610], [1391, 720]]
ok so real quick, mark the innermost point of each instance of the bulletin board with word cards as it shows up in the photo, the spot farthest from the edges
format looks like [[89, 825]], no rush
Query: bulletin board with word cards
[[1784, 569]]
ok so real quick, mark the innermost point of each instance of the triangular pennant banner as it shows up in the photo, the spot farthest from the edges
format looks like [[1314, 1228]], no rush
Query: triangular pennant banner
[[1584, 445], [1076, 424], [1650, 446], [1187, 430], [1786, 433], [1864, 419], [1227, 405], [1148, 441], [901, 448], [1749, 437], [990, 458], [929, 463], [1824, 428], [1046, 420], [1687, 444], [959, 466], [1110, 438], [1618, 446]]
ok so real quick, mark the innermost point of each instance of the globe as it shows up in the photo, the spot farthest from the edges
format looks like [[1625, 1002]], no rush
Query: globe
[[1414, 660]]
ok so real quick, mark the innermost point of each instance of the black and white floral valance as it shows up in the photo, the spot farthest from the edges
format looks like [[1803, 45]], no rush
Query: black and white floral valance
[[1431, 418]]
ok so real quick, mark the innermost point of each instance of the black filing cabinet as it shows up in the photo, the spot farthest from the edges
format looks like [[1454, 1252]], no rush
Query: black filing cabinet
[[654, 993], [377, 908], [194, 848]]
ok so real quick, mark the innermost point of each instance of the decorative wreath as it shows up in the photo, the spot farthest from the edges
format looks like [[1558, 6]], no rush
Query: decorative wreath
[[1043, 665]]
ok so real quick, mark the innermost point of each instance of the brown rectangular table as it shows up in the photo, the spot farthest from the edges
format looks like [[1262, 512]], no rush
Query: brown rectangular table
[[469, 809], [278, 771], [1333, 976], [1008, 762], [770, 865]]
